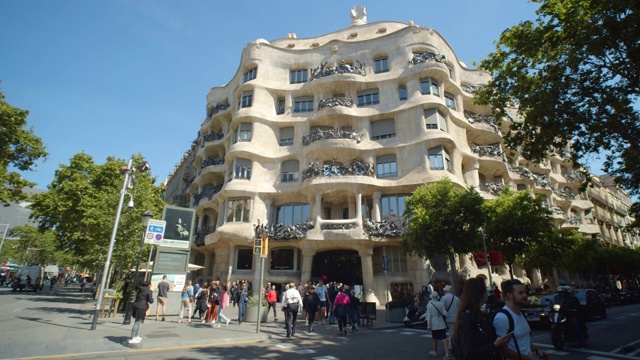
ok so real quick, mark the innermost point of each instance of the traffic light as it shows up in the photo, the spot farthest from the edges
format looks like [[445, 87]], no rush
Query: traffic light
[[265, 244], [257, 246]]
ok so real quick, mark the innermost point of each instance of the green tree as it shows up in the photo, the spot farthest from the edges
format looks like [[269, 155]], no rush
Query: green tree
[[80, 208], [19, 149], [575, 76], [444, 220], [551, 252], [517, 221], [37, 247]]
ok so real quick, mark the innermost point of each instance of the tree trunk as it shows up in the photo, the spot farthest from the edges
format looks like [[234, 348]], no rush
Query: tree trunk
[[454, 272]]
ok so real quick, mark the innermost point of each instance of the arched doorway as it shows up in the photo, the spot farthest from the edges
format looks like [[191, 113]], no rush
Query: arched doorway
[[342, 266]]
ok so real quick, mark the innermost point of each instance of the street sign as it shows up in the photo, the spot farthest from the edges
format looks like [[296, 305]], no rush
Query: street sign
[[155, 232]]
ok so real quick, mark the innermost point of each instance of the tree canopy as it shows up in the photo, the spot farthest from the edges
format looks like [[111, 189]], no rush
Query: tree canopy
[[20, 149], [33, 247], [444, 220], [80, 208], [516, 221], [574, 75]]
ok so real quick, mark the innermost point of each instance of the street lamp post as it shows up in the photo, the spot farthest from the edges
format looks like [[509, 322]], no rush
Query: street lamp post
[[486, 256], [4, 235], [128, 172], [146, 216]]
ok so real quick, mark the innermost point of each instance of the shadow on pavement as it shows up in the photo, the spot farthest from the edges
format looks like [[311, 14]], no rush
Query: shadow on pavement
[[120, 340], [47, 322], [61, 310]]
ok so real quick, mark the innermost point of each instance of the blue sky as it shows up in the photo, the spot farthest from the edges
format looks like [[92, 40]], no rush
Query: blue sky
[[118, 77]]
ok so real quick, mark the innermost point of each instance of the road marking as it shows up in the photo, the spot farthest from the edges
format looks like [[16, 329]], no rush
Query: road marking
[[620, 317], [587, 351], [18, 309], [598, 358], [328, 357], [305, 351], [624, 346]]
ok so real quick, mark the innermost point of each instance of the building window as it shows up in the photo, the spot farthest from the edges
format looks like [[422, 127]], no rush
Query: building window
[[383, 129], [286, 136], [326, 212], [439, 159], [250, 75], [298, 76], [386, 166], [392, 207], [452, 74], [381, 65], [280, 108], [247, 99], [450, 101], [244, 258], [241, 169], [244, 132], [283, 259], [435, 120], [238, 210], [290, 170], [428, 86], [368, 97], [402, 93], [345, 213], [397, 259], [303, 104], [292, 214]]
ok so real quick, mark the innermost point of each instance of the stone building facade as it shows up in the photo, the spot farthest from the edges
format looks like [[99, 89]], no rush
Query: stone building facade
[[322, 138]]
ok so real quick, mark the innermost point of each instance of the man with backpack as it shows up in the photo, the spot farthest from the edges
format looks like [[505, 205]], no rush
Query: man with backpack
[[511, 320]]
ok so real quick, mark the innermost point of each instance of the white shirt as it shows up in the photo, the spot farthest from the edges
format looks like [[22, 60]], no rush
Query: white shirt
[[434, 317], [292, 296], [451, 304], [521, 331]]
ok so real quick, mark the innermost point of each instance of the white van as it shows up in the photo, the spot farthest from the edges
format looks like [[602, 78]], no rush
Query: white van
[[29, 275]]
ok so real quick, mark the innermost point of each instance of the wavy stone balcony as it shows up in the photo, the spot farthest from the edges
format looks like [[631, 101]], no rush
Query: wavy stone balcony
[[330, 134], [422, 57], [358, 167], [488, 150], [207, 191], [474, 118], [211, 161], [539, 179], [344, 68]]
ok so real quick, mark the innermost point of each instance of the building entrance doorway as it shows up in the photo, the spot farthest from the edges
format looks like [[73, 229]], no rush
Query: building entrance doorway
[[342, 266]]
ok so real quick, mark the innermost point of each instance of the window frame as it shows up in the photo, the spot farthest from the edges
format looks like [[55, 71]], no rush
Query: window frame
[[301, 104], [450, 101], [386, 161], [433, 86], [288, 141], [299, 76], [304, 214], [250, 74], [400, 92], [440, 123], [246, 99], [381, 65], [445, 159], [368, 97], [239, 171], [242, 133], [290, 176], [248, 254], [245, 210], [376, 125]]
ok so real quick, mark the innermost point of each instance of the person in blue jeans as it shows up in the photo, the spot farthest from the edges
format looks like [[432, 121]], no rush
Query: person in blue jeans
[[241, 298]]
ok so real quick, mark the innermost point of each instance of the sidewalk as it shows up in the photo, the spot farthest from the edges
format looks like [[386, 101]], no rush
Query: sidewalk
[[61, 325]]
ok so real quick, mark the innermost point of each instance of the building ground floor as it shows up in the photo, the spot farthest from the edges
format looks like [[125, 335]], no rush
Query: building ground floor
[[358, 263]]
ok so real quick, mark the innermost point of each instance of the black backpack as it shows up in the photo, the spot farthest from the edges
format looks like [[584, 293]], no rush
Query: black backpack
[[455, 339]]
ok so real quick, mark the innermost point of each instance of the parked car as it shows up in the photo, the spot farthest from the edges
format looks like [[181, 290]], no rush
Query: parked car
[[593, 306], [537, 310], [625, 298]]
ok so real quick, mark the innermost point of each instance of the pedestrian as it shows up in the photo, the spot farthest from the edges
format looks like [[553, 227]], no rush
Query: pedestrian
[[332, 292], [291, 301], [311, 304], [354, 311], [272, 299], [474, 335], [436, 318], [202, 300], [163, 290], [241, 300], [53, 282], [83, 284], [321, 290], [341, 310], [451, 304], [140, 306], [186, 298], [223, 302], [127, 289], [212, 313], [519, 344]]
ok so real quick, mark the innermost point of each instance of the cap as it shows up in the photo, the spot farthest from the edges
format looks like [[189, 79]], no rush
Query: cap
[[434, 295], [447, 288]]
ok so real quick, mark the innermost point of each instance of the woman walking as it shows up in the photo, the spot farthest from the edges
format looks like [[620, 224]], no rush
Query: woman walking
[[212, 314], [341, 310], [187, 300], [140, 307], [436, 314], [202, 300], [223, 302], [474, 336], [310, 304]]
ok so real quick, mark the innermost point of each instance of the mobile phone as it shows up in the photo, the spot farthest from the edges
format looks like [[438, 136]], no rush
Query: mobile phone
[[510, 334]]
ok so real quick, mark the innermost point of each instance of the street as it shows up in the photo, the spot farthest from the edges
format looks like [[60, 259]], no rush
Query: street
[[54, 324]]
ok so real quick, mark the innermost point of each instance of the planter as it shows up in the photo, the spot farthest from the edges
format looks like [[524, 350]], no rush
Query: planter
[[396, 315], [252, 314]]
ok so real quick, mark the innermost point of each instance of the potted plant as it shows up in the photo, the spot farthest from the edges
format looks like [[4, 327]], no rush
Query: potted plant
[[252, 310]]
